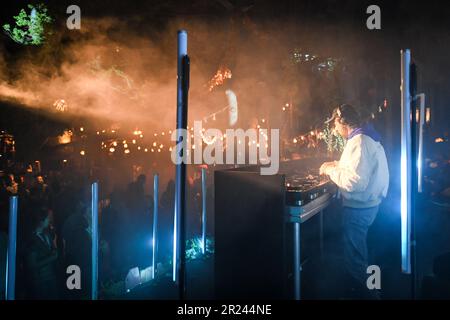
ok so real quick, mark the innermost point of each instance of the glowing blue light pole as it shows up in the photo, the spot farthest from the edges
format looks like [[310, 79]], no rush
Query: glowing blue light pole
[[405, 162], [155, 223], [11, 256], [94, 219], [175, 247], [203, 210]]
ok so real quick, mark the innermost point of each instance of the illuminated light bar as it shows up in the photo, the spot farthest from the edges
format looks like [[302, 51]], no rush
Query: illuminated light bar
[[405, 163], [155, 224], [203, 211], [11, 254], [175, 248], [94, 217]]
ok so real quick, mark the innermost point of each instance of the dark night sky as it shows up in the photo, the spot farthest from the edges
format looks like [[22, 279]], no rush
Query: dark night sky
[[395, 14]]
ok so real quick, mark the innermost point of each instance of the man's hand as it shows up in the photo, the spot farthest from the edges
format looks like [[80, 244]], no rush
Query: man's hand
[[326, 166]]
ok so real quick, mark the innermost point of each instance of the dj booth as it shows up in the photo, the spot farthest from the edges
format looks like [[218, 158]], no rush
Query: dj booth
[[266, 227]]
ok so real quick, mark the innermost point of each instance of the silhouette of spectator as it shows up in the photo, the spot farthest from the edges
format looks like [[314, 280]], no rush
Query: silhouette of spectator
[[136, 197], [76, 234], [139, 233], [437, 286], [194, 205], [12, 187], [23, 190], [40, 258], [40, 191], [166, 216], [114, 218]]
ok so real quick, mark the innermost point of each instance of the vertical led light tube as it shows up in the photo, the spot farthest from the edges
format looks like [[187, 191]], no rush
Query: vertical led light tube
[[405, 162]]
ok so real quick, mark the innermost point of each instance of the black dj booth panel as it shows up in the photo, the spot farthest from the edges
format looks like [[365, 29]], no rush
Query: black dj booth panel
[[256, 253], [249, 233]]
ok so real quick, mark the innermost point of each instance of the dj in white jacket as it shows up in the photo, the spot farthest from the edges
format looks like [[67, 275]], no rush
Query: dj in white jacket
[[362, 176], [362, 173]]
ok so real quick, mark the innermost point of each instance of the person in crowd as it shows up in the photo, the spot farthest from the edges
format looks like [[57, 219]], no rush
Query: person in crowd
[[77, 238], [194, 204], [114, 218], [136, 196], [40, 191], [140, 222], [23, 190], [166, 220], [437, 286], [41, 257], [12, 187]]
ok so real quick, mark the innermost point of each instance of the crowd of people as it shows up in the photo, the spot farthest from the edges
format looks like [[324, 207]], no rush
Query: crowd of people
[[54, 230]]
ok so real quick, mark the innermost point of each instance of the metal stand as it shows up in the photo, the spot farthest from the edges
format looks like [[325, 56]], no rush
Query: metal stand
[[297, 216], [179, 261]]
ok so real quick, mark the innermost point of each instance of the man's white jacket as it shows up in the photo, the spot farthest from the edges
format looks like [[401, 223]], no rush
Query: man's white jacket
[[362, 173]]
